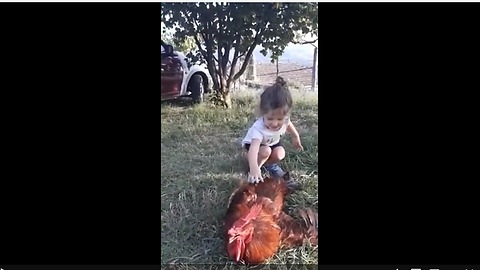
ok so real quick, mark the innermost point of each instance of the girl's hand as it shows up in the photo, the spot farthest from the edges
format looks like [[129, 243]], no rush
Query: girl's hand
[[255, 175], [297, 144]]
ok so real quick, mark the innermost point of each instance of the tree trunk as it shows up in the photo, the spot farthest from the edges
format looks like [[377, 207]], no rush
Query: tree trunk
[[213, 74], [224, 91], [226, 98], [277, 68]]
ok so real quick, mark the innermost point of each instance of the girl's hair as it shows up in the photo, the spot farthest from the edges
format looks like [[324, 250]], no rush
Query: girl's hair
[[276, 96]]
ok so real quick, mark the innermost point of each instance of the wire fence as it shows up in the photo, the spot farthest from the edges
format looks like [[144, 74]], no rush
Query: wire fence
[[298, 75]]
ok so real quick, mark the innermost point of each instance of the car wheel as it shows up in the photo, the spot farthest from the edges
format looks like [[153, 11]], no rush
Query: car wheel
[[196, 87]]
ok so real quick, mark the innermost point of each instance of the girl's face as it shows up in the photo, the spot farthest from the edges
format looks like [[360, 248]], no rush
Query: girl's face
[[275, 119]]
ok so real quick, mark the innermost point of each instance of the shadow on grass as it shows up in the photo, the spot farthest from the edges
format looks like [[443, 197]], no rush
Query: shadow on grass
[[179, 102]]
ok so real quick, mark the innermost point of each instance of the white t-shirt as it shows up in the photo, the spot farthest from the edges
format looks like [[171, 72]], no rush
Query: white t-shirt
[[265, 135]]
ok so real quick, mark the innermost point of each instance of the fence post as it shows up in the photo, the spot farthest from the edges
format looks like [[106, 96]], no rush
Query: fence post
[[252, 69], [314, 69]]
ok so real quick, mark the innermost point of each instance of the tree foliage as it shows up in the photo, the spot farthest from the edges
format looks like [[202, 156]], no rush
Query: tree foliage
[[184, 45], [225, 32]]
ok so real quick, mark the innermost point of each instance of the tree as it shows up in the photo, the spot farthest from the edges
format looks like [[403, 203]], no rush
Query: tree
[[185, 45], [224, 32], [166, 36]]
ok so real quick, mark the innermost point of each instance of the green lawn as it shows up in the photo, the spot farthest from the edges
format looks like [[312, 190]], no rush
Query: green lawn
[[201, 166]]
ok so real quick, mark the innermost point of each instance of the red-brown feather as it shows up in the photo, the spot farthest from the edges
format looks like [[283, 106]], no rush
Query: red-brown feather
[[256, 227]]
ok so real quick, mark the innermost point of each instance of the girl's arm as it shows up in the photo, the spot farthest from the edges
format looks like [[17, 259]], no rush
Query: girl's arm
[[297, 144], [292, 130], [255, 173]]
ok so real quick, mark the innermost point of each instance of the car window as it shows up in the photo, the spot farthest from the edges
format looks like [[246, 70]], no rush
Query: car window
[[163, 49]]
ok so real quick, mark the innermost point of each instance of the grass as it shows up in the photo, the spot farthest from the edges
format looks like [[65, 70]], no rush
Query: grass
[[201, 166]]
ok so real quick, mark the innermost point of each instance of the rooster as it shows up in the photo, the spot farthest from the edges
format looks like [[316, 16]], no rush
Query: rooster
[[256, 227]]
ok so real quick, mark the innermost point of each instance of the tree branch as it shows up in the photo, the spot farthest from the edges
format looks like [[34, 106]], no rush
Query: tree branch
[[305, 42], [226, 56], [249, 54], [242, 54], [199, 46], [234, 61]]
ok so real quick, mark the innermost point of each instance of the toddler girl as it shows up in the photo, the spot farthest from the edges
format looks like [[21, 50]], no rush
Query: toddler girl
[[263, 139]]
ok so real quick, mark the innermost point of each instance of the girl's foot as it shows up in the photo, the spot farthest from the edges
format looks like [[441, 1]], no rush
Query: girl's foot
[[274, 170]]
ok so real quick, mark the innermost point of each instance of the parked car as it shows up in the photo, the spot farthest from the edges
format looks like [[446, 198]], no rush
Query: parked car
[[179, 80]]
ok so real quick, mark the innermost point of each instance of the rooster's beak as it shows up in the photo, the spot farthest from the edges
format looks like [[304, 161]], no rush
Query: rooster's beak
[[240, 246]]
